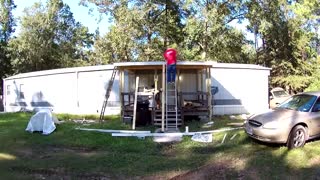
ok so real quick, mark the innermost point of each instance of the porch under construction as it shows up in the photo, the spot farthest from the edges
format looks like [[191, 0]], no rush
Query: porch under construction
[[192, 87]]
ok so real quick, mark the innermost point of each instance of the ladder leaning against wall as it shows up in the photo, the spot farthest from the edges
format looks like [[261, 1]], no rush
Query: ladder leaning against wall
[[107, 95]]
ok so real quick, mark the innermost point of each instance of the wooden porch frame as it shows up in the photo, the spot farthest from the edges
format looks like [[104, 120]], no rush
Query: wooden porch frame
[[201, 71]]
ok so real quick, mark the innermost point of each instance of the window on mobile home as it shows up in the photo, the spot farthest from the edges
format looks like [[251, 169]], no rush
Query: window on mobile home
[[8, 89], [21, 94]]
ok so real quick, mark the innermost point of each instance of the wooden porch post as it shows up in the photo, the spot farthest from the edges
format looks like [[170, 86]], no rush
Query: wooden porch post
[[197, 80], [135, 104], [155, 80], [120, 91], [163, 95], [154, 103], [209, 92]]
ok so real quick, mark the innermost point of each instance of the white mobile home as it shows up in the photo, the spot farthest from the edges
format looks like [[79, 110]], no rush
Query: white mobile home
[[242, 88], [77, 90], [239, 88]]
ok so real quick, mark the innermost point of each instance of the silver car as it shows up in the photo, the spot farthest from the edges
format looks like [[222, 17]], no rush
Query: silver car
[[293, 122]]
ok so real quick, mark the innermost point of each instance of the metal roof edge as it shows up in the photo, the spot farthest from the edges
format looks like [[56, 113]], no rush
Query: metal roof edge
[[61, 71], [213, 64], [153, 63], [239, 66]]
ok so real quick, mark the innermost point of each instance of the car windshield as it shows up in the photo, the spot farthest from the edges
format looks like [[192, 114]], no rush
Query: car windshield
[[302, 102], [279, 94]]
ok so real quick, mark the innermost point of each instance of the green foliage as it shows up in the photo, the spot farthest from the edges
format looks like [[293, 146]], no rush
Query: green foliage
[[141, 30], [287, 39], [6, 28], [50, 38], [315, 85], [315, 79], [209, 36], [199, 30], [6, 19]]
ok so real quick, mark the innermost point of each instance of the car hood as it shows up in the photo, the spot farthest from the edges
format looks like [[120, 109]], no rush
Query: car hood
[[275, 115]]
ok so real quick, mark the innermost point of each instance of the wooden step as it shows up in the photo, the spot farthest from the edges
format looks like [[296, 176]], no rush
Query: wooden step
[[169, 119], [159, 124], [173, 126], [169, 115], [169, 111], [170, 122], [171, 97]]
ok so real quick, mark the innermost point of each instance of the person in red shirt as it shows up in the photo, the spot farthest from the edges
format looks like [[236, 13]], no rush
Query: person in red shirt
[[171, 57]]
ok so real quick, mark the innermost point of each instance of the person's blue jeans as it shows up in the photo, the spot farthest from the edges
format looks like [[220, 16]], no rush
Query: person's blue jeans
[[171, 73]]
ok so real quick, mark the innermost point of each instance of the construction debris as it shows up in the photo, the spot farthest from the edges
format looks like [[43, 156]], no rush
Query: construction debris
[[208, 124], [173, 134], [224, 137], [147, 134], [114, 131], [233, 136], [165, 139], [198, 137], [84, 121]]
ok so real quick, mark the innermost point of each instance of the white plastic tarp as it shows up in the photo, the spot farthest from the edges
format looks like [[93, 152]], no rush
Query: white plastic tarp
[[42, 121], [202, 137]]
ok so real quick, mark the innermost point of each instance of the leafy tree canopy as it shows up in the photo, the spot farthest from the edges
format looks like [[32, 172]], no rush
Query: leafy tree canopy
[[50, 38], [7, 24]]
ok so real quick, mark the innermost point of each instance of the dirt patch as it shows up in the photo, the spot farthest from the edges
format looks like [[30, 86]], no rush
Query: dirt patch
[[213, 171], [47, 152], [59, 173], [50, 151], [25, 152], [222, 169], [314, 161], [160, 176], [80, 150]]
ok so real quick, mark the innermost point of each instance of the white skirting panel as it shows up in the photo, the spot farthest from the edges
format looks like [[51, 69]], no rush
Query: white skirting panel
[[229, 109]]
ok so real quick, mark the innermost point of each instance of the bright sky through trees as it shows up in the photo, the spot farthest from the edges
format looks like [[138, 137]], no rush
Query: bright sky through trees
[[80, 13], [91, 19]]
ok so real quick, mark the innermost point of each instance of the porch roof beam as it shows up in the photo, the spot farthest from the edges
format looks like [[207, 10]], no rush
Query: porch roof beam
[[153, 67]]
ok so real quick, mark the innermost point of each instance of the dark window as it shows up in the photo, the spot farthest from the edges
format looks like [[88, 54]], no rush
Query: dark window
[[21, 94], [316, 107], [8, 89]]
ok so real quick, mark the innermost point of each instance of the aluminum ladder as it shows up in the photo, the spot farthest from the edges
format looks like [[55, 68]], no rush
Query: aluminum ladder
[[171, 106], [107, 95]]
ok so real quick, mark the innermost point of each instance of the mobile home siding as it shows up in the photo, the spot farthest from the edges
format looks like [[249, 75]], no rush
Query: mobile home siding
[[76, 91], [240, 90], [81, 90]]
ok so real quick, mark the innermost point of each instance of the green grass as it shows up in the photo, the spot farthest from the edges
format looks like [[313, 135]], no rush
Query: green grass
[[72, 154]]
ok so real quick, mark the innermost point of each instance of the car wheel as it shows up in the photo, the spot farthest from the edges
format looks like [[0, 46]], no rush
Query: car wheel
[[297, 137]]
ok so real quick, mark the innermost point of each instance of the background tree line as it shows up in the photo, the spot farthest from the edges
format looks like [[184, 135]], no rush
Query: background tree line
[[286, 36]]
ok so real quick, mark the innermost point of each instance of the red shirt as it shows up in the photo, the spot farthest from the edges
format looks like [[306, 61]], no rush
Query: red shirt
[[171, 56]]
